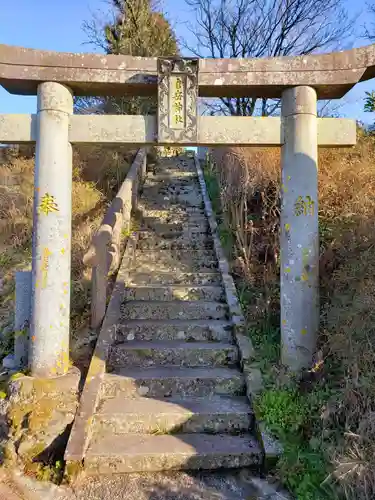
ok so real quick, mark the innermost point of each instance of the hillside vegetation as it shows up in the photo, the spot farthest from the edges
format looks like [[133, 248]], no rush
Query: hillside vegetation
[[326, 420]]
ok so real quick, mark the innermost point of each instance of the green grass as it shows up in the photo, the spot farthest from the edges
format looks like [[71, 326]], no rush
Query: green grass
[[51, 473], [291, 414], [291, 417], [213, 188], [6, 260]]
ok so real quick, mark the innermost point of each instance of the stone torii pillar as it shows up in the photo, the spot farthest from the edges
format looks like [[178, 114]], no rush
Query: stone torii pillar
[[50, 303], [299, 239]]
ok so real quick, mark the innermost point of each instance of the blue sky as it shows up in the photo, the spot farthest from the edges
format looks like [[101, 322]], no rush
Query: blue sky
[[57, 25]]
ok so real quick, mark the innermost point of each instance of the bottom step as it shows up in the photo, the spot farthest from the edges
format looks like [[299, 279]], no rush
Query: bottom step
[[143, 452], [174, 485]]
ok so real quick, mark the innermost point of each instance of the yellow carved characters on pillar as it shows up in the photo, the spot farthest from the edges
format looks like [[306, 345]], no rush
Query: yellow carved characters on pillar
[[48, 204], [304, 206], [45, 265]]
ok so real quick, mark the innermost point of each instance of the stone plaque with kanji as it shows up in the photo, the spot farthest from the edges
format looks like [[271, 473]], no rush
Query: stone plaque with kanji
[[177, 100]]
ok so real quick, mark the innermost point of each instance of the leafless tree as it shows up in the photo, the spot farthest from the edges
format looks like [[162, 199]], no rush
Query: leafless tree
[[89, 105], [265, 28], [369, 32]]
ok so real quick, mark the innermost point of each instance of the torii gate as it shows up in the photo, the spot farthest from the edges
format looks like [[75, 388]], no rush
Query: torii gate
[[56, 77]]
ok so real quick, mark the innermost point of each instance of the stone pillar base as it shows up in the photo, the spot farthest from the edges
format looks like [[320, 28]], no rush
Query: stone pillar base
[[40, 413]]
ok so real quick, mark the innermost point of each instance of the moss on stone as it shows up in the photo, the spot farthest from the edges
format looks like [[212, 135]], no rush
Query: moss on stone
[[38, 414], [72, 470], [41, 416], [32, 452], [96, 366], [17, 414], [44, 386]]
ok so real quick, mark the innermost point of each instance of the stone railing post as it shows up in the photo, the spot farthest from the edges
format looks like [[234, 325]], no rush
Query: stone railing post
[[299, 229], [22, 318], [99, 281], [144, 167], [99, 278], [50, 307]]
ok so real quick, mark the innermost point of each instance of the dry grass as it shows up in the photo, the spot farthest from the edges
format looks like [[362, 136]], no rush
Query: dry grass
[[249, 181], [347, 192], [97, 175], [249, 191]]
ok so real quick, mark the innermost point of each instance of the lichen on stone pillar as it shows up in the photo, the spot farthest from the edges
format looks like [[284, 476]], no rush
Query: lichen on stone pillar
[[50, 302], [299, 268]]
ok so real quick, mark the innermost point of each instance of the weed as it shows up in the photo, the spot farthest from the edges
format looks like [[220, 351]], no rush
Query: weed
[[304, 472], [282, 410], [6, 260], [6, 342], [163, 428], [52, 473]]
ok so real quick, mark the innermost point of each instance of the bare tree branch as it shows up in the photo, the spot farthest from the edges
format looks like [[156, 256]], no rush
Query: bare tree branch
[[330, 108], [89, 105], [264, 28], [369, 32]]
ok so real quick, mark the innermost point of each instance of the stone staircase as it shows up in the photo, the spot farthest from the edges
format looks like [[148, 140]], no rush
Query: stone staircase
[[172, 395]]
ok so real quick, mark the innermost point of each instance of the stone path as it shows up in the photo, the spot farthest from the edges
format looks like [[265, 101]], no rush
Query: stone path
[[169, 394], [173, 396], [224, 485]]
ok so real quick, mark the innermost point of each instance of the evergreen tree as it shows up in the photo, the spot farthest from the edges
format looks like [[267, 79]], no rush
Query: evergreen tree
[[138, 29]]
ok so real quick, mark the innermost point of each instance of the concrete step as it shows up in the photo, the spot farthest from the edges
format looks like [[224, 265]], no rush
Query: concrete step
[[175, 173], [171, 189], [148, 239], [177, 292], [190, 330], [168, 228], [168, 175], [181, 218], [175, 260], [175, 223], [170, 268], [179, 382], [142, 277], [169, 215], [172, 182], [170, 255], [231, 484], [198, 309], [153, 209], [172, 353], [186, 198], [187, 244], [154, 190], [143, 452], [152, 416], [168, 202]]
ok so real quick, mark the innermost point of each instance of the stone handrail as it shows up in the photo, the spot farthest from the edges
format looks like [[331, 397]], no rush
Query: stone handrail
[[104, 253], [331, 75]]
